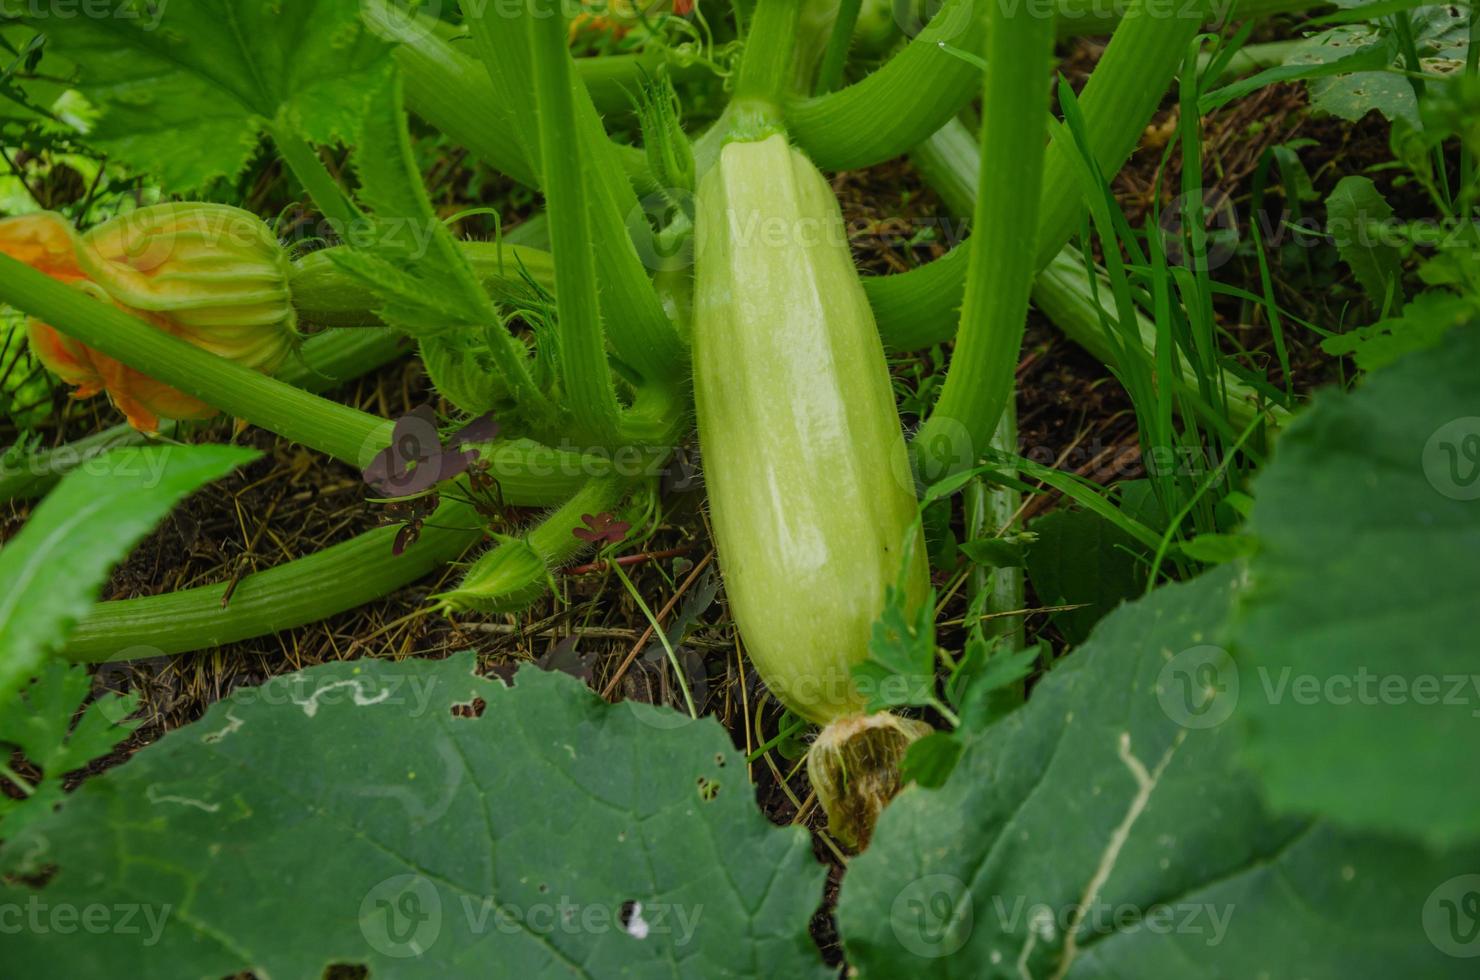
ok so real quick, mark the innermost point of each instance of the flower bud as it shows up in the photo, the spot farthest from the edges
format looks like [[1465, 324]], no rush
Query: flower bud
[[506, 579], [215, 272], [212, 275]]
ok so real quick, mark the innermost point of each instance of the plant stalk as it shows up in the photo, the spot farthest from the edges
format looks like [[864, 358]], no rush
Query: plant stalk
[[323, 584], [1000, 266], [345, 433]]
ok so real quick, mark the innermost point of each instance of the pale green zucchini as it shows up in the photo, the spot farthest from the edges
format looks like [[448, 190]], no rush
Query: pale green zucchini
[[804, 459]]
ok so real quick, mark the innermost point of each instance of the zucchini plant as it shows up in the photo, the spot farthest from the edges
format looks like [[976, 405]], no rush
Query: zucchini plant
[[689, 274], [605, 370]]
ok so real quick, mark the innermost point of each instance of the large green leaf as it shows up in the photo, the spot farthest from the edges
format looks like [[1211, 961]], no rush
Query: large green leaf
[[51, 572], [346, 814], [188, 86], [1114, 791], [1359, 647]]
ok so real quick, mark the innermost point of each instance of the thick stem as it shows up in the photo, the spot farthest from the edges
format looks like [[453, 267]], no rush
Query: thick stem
[[344, 433], [1001, 267], [766, 70], [923, 86], [324, 584], [899, 105], [640, 332], [1122, 93], [590, 395], [328, 359]]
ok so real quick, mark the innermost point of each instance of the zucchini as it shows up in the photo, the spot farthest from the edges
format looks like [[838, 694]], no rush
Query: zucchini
[[811, 493]]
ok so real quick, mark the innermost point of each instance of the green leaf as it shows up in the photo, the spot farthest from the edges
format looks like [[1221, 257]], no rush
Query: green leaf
[[1357, 644], [1440, 34], [188, 87], [39, 722], [929, 760], [1356, 214], [1082, 559], [1219, 549], [995, 552], [986, 670], [1425, 321], [51, 572], [345, 814], [1096, 796], [900, 669]]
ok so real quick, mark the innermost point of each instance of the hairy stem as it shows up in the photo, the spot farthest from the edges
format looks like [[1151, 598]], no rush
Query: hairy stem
[[1000, 266], [766, 70], [337, 430], [303, 159], [327, 359], [585, 373]]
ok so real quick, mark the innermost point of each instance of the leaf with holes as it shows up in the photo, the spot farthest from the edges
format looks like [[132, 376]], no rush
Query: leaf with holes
[[354, 813], [1104, 831]]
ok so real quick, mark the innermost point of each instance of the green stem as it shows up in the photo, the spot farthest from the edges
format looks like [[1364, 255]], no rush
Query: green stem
[[1001, 267], [918, 90], [902, 103], [766, 69], [304, 160], [835, 58], [453, 92], [324, 584], [328, 359], [640, 332], [950, 163], [590, 395], [516, 572], [989, 509], [325, 294], [344, 433], [1123, 92]]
